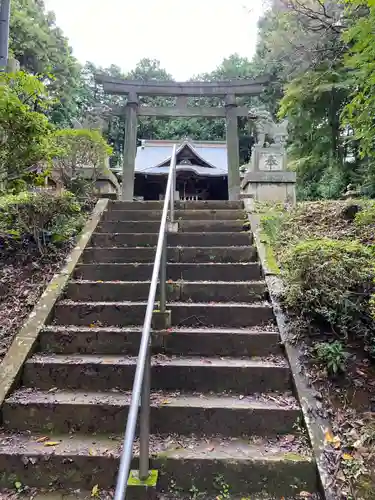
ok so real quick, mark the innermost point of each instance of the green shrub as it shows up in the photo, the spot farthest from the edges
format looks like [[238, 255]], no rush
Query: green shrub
[[271, 224], [82, 158], [332, 355], [38, 219], [366, 216], [26, 136], [330, 282]]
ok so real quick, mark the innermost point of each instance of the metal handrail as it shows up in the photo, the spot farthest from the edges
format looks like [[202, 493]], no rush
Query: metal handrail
[[141, 385]]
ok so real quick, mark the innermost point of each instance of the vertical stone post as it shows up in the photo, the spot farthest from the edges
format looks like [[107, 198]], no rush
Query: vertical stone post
[[130, 147], [233, 152], [4, 33]]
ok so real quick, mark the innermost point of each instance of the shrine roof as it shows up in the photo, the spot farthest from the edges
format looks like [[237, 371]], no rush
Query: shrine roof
[[153, 157]]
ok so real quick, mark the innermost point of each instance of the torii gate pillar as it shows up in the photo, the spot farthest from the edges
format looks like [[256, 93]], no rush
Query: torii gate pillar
[[130, 147], [231, 119]]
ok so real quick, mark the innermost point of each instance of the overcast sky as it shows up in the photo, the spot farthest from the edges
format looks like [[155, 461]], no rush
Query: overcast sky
[[186, 36]]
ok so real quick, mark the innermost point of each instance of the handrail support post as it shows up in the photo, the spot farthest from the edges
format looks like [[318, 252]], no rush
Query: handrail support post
[[144, 421], [163, 277]]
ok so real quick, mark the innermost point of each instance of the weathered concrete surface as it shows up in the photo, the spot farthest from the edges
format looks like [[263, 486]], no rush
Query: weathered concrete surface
[[184, 226], [125, 255], [82, 462], [221, 291], [175, 271], [174, 254], [274, 187], [174, 240], [65, 412], [180, 205], [231, 254], [221, 315], [114, 291], [192, 342], [222, 342], [180, 291], [26, 338], [183, 314], [185, 215], [97, 373]]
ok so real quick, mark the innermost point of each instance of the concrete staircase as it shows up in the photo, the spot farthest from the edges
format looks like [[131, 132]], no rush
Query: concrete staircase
[[223, 414]]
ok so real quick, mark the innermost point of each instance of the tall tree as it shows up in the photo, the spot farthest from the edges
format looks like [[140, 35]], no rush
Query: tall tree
[[300, 44], [358, 115], [41, 48]]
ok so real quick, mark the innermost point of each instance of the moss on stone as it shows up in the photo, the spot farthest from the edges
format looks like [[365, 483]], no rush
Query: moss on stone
[[269, 254], [149, 482], [294, 457], [366, 487]]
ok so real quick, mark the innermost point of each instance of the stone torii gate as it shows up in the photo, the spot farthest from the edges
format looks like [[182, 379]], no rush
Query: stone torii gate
[[228, 90]]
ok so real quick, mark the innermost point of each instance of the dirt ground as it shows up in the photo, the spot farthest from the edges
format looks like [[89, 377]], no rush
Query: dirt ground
[[23, 278]]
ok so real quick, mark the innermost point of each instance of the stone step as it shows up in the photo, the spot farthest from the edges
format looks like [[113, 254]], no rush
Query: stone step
[[123, 215], [179, 205], [184, 314], [132, 494], [184, 226], [171, 413], [181, 341], [173, 239], [179, 291], [247, 271], [104, 373], [279, 467], [174, 254]]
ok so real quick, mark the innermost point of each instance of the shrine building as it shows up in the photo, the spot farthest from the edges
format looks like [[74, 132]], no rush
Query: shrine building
[[201, 170]]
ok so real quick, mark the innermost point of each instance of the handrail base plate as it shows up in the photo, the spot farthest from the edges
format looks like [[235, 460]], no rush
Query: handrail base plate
[[146, 489]]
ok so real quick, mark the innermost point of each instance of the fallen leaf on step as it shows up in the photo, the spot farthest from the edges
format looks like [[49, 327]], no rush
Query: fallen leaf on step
[[95, 491], [51, 443], [92, 452], [305, 494], [347, 456], [42, 439], [170, 281], [165, 402], [211, 449], [329, 438]]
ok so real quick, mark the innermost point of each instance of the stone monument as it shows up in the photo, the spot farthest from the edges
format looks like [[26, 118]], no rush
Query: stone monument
[[267, 177]]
